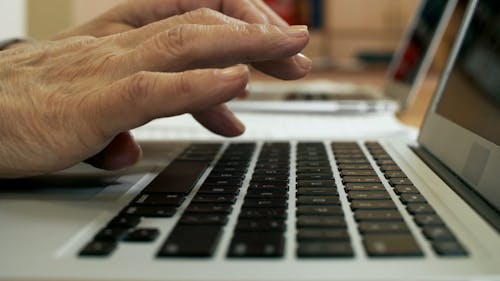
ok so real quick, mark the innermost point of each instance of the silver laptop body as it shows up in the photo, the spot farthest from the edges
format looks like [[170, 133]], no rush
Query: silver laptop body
[[391, 210]]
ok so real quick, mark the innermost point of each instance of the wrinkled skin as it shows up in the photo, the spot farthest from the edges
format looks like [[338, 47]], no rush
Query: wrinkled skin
[[72, 99]]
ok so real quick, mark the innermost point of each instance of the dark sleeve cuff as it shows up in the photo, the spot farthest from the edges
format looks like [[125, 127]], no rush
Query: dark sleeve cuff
[[4, 44]]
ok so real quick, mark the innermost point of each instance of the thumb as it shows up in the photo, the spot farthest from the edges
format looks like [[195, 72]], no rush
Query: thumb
[[122, 152]]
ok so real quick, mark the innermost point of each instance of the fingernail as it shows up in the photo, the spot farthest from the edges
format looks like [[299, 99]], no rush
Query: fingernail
[[297, 31], [232, 73], [303, 62]]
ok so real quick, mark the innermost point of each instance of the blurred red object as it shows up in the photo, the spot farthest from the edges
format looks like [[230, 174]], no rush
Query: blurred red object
[[285, 8]]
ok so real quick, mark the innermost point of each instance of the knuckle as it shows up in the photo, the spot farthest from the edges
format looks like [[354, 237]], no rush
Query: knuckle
[[183, 84], [174, 41], [204, 14], [138, 88]]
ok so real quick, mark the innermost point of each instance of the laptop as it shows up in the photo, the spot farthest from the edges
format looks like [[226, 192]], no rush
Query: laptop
[[406, 72], [292, 210]]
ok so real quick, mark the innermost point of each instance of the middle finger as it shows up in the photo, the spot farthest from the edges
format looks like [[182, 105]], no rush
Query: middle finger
[[199, 46]]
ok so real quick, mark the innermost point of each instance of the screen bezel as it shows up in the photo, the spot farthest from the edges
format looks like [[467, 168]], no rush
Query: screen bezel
[[403, 93], [453, 144]]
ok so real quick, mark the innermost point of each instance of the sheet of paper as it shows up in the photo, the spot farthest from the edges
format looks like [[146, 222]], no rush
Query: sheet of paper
[[284, 127]]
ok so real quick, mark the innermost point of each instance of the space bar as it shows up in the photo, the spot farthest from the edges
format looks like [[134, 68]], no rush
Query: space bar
[[178, 177]]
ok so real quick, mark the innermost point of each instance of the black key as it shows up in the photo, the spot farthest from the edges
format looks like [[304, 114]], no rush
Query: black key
[[246, 244], [124, 222], [209, 209], [276, 183], [160, 211], [160, 199], [428, 219], [98, 249], [280, 162], [220, 169], [361, 179], [316, 234], [276, 167], [223, 182], [344, 167], [191, 241], [315, 177], [267, 193], [307, 171], [380, 156], [270, 178], [406, 189], [325, 249], [385, 162], [391, 245], [373, 145], [261, 213], [438, 233], [260, 172], [200, 152], [364, 187], [359, 155], [449, 248], [317, 191], [260, 225], [412, 198], [373, 205], [258, 185], [312, 158], [382, 227], [321, 221], [203, 219], [111, 234], [179, 177], [352, 161], [318, 200], [398, 181], [230, 175], [348, 153], [218, 190], [385, 168], [377, 215], [358, 173], [316, 184], [419, 208], [313, 164], [265, 203], [394, 174], [219, 199], [142, 235], [320, 210], [368, 195]]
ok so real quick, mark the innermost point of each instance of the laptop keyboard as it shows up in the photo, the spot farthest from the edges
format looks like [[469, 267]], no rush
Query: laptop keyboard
[[311, 180]]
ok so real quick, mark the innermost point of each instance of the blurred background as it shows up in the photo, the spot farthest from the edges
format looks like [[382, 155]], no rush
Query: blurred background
[[343, 31]]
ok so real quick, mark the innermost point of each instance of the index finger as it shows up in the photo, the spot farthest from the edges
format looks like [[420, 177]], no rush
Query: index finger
[[143, 12]]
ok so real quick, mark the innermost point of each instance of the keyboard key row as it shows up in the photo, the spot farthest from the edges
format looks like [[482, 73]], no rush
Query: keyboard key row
[[433, 228], [321, 226]]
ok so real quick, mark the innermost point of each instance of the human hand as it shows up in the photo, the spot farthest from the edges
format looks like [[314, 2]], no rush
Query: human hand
[[133, 14], [137, 13], [64, 101]]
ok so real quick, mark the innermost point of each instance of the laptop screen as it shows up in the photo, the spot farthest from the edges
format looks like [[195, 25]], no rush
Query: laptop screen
[[471, 97], [462, 128], [413, 54]]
